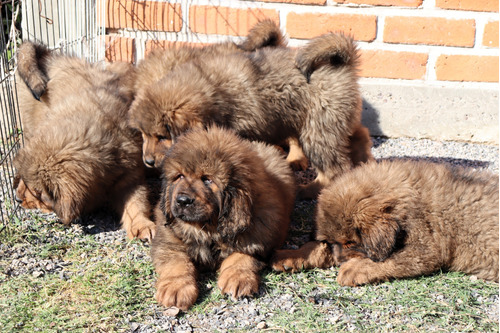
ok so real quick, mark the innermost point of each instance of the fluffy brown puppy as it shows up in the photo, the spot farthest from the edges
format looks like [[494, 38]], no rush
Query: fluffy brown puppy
[[269, 95], [161, 61], [226, 205], [402, 219], [79, 153]]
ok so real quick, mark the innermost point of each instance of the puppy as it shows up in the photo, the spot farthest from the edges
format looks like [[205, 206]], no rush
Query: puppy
[[226, 205], [79, 153], [402, 219], [274, 93], [161, 61]]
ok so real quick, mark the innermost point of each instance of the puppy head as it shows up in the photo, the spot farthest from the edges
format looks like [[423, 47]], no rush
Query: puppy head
[[208, 181], [167, 108], [358, 217], [31, 199], [64, 180]]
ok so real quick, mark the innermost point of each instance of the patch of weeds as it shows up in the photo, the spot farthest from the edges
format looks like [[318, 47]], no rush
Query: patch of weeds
[[438, 302], [102, 289]]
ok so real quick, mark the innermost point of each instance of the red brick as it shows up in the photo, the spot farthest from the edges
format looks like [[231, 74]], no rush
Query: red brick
[[309, 25], [474, 5], [119, 49], [429, 30], [299, 2], [143, 15], [226, 20], [490, 37], [401, 3], [165, 44], [467, 68], [393, 65]]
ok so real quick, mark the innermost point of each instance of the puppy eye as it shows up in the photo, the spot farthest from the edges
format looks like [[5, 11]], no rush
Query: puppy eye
[[206, 180], [162, 138], [348, 244], [179, 176]]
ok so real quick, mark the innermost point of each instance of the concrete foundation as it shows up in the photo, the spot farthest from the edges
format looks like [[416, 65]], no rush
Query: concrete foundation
[[433, 112]]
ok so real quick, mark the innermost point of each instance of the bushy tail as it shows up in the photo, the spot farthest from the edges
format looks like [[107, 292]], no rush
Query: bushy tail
[[332, 49], [264, 33], [31, 67]]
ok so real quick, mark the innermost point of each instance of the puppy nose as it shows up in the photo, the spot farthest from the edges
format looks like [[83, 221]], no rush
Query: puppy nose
[[149, 161], [19, 200], [184, 200]]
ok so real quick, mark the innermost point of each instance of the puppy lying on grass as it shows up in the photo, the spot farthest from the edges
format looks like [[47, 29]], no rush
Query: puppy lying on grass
[[79, 152], [225, 205], [403, 219]]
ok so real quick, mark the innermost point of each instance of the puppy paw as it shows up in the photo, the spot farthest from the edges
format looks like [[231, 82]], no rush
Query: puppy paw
[[178, 292], [284, 261], [358, 271], [309, 191], [300, 164], [144, 229], [238, 283]]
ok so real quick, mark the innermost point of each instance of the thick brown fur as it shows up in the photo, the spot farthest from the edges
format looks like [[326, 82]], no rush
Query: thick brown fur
[[226, 204], [270, 94], [79, 152], [161, 61], [403, 219]]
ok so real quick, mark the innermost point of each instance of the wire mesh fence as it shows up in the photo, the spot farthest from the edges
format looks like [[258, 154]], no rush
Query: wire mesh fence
[[84, 28], [10, 124], [71, 26]]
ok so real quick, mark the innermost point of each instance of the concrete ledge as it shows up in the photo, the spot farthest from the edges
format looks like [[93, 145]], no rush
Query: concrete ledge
[[432, 112]]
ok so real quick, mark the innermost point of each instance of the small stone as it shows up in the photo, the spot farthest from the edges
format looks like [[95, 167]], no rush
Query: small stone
[[37, 274], [171, 311], [261, 325], [134, 327], [312, 300]]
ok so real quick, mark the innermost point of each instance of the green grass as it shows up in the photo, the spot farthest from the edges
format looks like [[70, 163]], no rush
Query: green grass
[[106, 287], [441, 302], [99, 295]]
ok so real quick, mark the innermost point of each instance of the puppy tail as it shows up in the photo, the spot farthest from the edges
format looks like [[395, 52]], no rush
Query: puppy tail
[[332, 49], [31, 67], [264, 33]]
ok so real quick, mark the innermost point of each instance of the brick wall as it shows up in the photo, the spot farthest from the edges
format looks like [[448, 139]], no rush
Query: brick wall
[[429, 68], [426, 40]]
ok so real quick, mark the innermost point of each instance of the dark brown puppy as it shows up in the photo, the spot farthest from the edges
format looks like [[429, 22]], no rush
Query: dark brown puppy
[[161, 61], [402, 219], [225, 205], [270, 95], [79, 153]]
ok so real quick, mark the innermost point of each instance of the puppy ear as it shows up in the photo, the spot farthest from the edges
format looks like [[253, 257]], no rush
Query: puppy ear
[[163, 207], [236, 215], [68, 200], [66, 210], [379, 236]]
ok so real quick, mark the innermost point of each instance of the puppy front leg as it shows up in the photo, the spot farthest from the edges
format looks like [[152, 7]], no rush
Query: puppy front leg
[[239, 275], [135, 211], [176, 284], [313, 254], [310, 255], [404, 264], [296, 158]]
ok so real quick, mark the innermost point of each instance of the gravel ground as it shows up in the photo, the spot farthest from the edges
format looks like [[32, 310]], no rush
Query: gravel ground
[[246, 313]]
